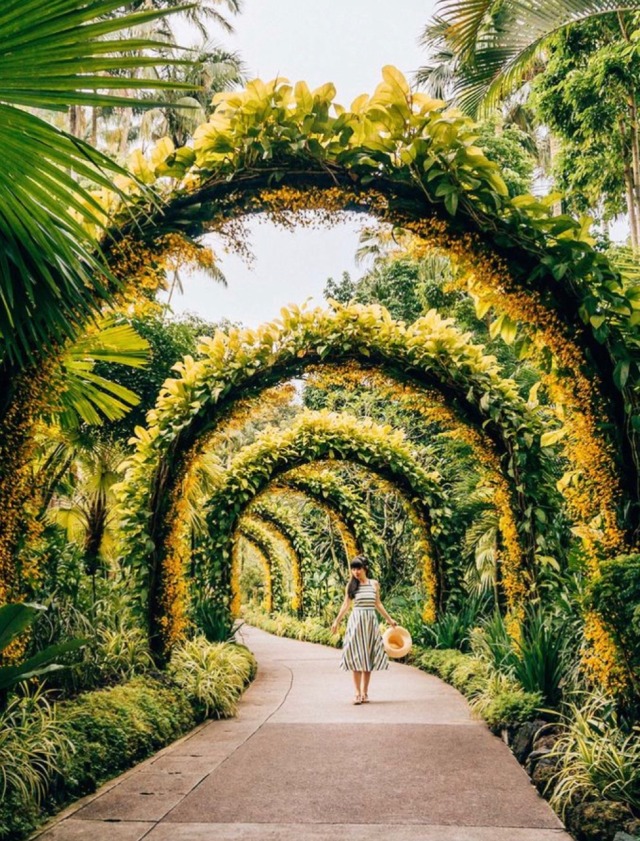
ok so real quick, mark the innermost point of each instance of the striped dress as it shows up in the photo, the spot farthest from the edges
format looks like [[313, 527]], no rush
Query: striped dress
[[362, 649]]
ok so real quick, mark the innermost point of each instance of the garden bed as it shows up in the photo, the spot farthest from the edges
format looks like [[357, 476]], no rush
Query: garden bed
[[102, 733]]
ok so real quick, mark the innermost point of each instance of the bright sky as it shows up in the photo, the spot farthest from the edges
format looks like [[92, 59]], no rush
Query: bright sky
[[346, 42]]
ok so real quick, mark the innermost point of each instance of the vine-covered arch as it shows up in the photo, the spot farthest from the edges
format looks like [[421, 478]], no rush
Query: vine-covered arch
[[430, 351], [407, 160], [312, 437], [276, 514], [261, 535], [323, 485], [430, 406], [404, 158]]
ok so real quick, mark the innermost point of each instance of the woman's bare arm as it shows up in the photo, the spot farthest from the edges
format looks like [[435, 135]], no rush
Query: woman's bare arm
[[343, 609]]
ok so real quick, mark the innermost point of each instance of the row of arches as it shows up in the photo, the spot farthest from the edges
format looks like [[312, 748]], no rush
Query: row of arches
[[247, 362], [540, 272]]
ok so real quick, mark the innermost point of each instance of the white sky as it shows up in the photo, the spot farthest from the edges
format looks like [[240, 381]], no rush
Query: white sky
[[346, 42]]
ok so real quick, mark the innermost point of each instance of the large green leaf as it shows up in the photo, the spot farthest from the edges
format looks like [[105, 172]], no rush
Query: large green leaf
[[38, 665], [14, 619], [54, 55], [87, 396]]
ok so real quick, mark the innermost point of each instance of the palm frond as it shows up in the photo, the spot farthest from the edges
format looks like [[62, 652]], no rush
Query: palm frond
[[496, 44], [87, 396], [52, 56]]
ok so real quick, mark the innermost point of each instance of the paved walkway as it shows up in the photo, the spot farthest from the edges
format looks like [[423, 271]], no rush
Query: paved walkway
[[301, 763]]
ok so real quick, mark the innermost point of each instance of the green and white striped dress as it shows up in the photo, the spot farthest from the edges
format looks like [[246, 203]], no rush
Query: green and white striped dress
[[362, 649]]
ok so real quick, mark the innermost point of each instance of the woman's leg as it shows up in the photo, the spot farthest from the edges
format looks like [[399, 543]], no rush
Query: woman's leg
[[366, 677], [357, 682]]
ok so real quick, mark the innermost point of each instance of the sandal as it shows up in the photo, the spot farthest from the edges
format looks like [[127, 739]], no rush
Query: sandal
[[357, 699], [365, 699]]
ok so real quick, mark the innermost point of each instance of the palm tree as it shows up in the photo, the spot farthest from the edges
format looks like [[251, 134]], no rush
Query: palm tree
[[212, 70], [86, 507], [54, 56], [483, 49]]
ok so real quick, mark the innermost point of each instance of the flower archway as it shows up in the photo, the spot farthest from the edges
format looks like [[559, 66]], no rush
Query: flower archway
[[404, 158], [312, 437]]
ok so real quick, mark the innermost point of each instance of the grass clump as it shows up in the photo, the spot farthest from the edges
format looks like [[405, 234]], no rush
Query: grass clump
[[213, 675]]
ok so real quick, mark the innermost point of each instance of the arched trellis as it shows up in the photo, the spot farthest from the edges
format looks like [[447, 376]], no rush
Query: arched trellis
[[324, 486], [261, 536], [267, 601], [431, 408], [431, 352], [314, 436], [423, 172], [423, 166], [328, 488], [275, 513]]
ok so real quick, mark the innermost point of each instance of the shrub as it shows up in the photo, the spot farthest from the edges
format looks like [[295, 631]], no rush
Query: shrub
[[67, 750], [33, 745], [539, 661], [453, 629], [311, 630], [213, 620], [599, 759], [440, 662], [213, 674], [469, 676], [491, 642], [501, 701], [496, 698], [115, 649], [15, 619], [111, 729]]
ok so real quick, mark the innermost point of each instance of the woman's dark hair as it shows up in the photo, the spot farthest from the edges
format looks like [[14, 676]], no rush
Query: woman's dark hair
[[359, 562]]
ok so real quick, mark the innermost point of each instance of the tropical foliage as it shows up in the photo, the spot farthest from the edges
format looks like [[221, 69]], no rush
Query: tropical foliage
[[465, 412]]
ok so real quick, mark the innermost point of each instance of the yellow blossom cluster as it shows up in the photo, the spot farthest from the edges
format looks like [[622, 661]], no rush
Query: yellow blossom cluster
[[188, 494], [31, 399], [142, 268], [236, 569], [601, 659], [593, 490], [288, 206]]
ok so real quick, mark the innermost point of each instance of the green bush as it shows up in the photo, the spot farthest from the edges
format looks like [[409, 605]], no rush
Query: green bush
[[33, 747], [440, 661], [213, 675], [498, 699], [210, 618], [501, 701], [112, 729], [282, 625], [599, 757], [453, 629], [57, 753], [540, 662], [68, 750], [115, 650]]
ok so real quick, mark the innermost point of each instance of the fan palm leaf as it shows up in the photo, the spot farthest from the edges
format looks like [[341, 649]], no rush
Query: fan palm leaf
[[87, 397], [497, 42], [54, 55]]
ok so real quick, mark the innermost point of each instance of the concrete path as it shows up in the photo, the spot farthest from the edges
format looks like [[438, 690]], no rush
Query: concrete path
[[301, 763]]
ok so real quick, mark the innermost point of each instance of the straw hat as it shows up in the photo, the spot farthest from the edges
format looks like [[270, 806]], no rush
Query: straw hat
[[397, 641]]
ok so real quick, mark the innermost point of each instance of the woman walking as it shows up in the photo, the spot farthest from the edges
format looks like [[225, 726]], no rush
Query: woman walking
[[362, 649]]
